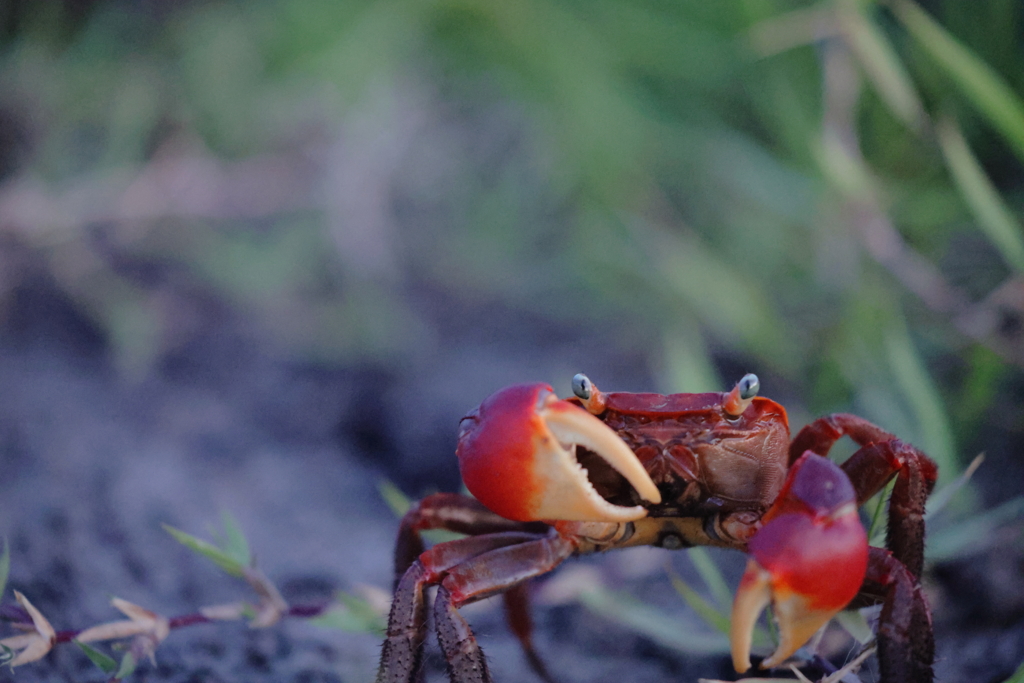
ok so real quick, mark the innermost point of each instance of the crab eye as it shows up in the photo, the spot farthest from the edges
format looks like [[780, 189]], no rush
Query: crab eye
[[749, 386], [582, 386]]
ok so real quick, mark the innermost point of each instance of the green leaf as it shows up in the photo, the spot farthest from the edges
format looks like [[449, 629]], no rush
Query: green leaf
[[994, 217], [6, 654], [876, 532], [235, 544], [5, 567], [107, 664], [222, 559], [352, 614], [393, 496], [854, 622], [127, 666], [1017, 676], [985, 89]]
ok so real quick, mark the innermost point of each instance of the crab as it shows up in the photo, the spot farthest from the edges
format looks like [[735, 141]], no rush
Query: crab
[[554, 478]]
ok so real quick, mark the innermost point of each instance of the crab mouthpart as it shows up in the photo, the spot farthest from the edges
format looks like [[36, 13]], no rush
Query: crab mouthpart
[[567, 493]]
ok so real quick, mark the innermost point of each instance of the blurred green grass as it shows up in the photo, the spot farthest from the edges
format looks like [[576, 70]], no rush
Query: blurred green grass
[[762, 180], [828, 193]]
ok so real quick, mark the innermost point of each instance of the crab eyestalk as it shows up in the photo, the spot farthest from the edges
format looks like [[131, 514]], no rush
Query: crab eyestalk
[[517, 456], [808, 560], [588, 394], [742, 395]]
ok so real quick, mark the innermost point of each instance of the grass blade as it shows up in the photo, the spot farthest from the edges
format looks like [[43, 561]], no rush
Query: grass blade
[[712, 576], [957, 539], [792, 29], [941, 498], [688, 363], [715, 618], [985, 89], [922, 397], [737, 307], [994, 217], [222, 559], [881, 64], [652, 623], [393, 496]]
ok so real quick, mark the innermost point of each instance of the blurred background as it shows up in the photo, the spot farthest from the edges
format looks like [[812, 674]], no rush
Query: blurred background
[[261, 256]]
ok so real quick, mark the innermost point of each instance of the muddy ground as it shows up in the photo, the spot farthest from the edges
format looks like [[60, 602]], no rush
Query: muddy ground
[[91, 465]]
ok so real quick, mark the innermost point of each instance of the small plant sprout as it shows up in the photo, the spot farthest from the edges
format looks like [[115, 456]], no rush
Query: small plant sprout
[[142, 632]]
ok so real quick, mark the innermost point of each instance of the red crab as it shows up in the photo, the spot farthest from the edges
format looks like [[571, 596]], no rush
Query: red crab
[[556, 478]]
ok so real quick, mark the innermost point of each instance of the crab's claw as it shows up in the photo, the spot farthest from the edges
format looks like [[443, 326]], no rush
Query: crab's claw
[[517, 456], [808, 560]]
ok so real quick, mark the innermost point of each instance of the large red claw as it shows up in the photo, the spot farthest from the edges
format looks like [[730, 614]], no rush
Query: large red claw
[[809, 560], [517, 456]]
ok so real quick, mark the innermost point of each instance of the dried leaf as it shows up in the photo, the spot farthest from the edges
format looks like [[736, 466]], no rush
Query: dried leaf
[[35, 645], [112, 630], [272, 606]]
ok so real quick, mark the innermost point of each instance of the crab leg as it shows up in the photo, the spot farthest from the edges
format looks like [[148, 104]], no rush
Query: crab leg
[[906, 646], [403, 648], [517, 456], [517, 613], [451, 512], [465, 515], [808, 560], [478, 578]]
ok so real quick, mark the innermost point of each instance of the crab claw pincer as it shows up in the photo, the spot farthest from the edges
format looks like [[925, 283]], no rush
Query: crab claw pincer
[[808, 560], [517, 456]]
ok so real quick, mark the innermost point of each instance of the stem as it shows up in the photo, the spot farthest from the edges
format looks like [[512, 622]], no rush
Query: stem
[[304, 611]]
